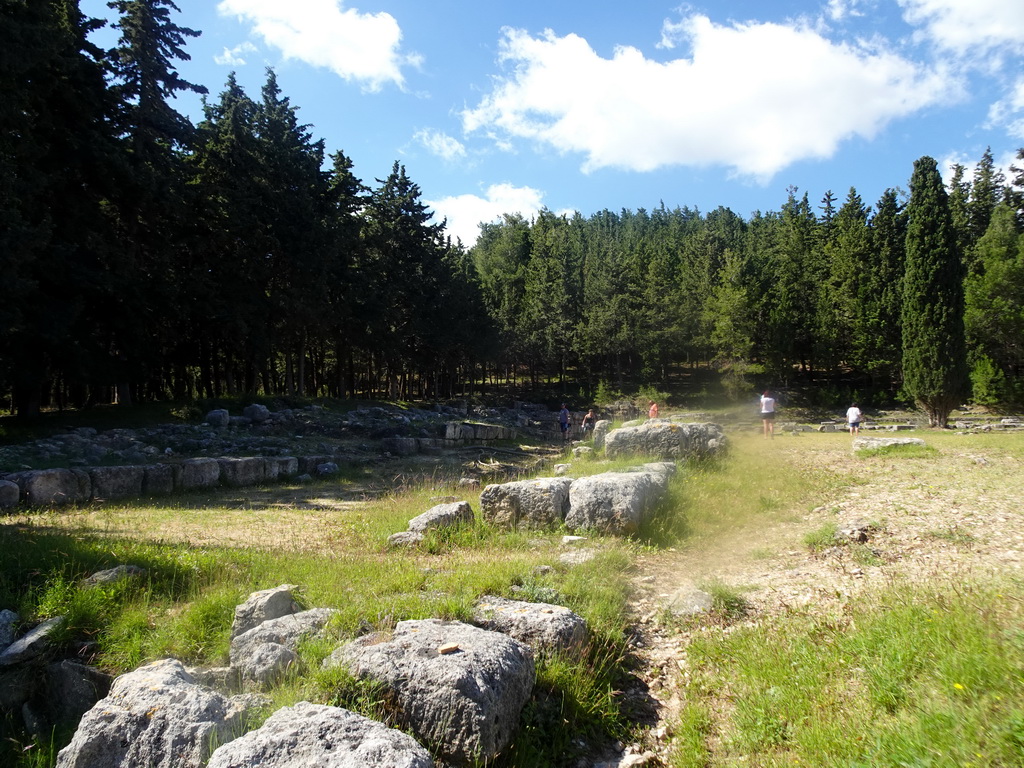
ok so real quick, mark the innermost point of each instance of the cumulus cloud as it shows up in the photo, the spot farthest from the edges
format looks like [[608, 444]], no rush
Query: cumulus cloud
[[753, 97], [963, 27], [234, 57], [465, 213], [359, 47], [1009, 112], [441, 144]]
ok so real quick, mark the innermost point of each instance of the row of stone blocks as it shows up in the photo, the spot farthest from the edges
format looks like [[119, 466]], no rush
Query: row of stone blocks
[[48, 487]]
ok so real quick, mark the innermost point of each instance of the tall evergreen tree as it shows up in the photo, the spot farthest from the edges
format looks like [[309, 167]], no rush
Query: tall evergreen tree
[[59, 167], [152, 200], [934, 352], [995, 295], [878, 343]]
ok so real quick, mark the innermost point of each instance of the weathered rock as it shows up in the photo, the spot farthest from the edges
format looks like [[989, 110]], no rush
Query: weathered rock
[[689, 602], [464, 703], [281, 466], [219, 417], [242, 472], [614, 502], [256, 413], [601, 429], [405, 539], [116, 482], [17, 684], [72, 689], [538, 503], [264, 605], [159, 479], [10, 494], [542, 626], [199, 473], [266, 651], [869, 443], [443, 516], [47, 487], [327, 469], [156, 716], [113, 575], [582, 450], [666, 439], [8, 621], [30, 645], [400, 446], [308, 735]]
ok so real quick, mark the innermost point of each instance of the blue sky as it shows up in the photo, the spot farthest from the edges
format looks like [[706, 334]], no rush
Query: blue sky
[[497, 106]]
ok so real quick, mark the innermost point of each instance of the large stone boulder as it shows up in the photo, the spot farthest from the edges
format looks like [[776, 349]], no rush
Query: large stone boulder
[[542, 626], [601, 429], [869, 443], [308, 735], [257, 413], [199, 473], [666, 440], [448, 515], [615, 502], [460, 689], [539, 503], [266, 652], [243, 472], [156, 716], [218, 417], [48, 487], [10, 494], [70, 690], [160, 479], [117, 482], [264, 605]]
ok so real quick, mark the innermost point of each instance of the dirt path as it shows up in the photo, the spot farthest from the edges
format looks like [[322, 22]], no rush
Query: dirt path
[[954, 515]]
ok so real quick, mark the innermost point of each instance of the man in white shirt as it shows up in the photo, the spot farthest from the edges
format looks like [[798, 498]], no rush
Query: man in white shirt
[[853, 417]]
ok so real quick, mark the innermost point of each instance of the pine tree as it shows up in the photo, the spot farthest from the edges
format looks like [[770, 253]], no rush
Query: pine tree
[[59, 169], [934, 352], [152, 199]]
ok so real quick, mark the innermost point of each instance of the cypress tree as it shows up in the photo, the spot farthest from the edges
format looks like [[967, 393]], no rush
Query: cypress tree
[[934, 350]]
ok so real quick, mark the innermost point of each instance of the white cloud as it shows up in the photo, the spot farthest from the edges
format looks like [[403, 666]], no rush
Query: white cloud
[[233, 57], [969, 27], [465, 213], [360, 47], [837, 10], [441, 144], [753, 97], [1009, 112]]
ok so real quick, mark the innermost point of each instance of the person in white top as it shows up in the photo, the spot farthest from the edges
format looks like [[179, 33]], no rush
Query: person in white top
[[768, 414], [853, 417]]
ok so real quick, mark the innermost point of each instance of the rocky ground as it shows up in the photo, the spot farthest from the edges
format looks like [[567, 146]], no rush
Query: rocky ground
[[951, 517]]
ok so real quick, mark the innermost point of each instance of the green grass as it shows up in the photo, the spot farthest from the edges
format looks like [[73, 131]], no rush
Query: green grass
[[915, 675], [184, 605]]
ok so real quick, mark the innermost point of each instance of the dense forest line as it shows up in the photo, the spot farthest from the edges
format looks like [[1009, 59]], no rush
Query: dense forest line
[[146, 258]]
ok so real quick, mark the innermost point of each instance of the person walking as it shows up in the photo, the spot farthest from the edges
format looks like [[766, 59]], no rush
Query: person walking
[[768, 414], [587, 425], [565, 422], [853, 419]]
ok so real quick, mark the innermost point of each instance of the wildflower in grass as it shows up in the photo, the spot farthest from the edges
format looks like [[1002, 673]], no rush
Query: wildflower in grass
[[958, 686]]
